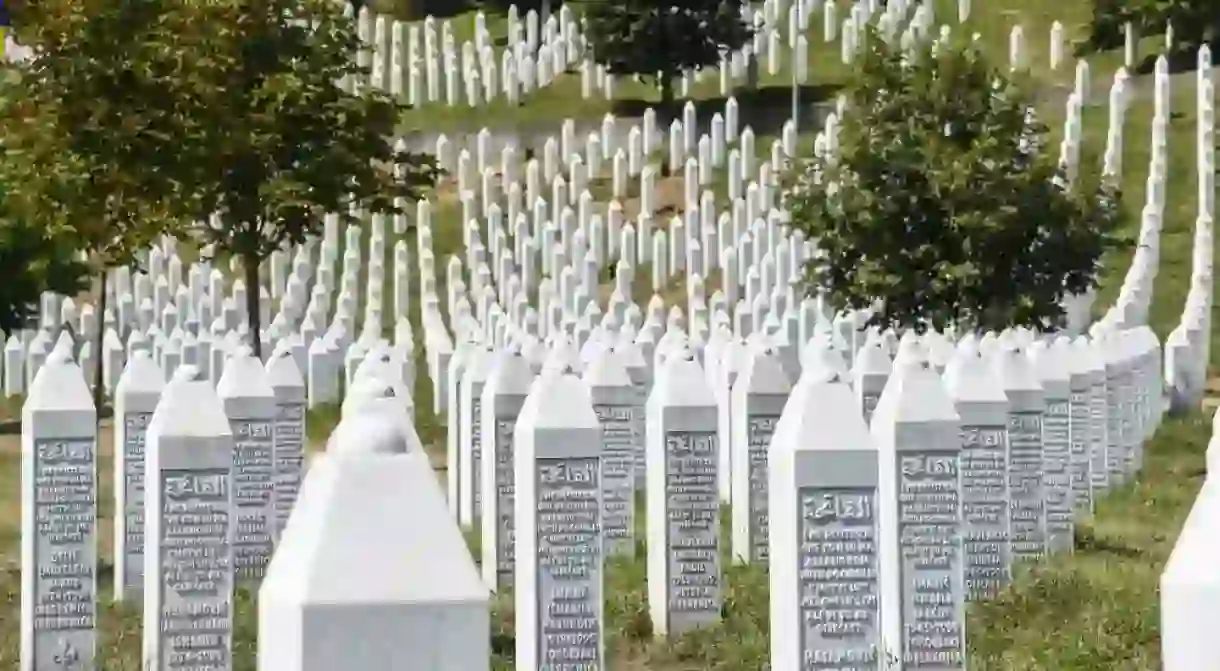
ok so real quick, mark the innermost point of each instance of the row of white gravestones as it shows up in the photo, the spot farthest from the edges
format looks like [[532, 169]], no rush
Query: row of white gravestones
[[171, 489]]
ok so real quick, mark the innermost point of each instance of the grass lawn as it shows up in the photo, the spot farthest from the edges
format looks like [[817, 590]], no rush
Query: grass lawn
[[1094, 609]]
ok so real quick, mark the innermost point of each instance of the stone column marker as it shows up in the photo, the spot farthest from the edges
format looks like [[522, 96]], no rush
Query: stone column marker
[[289, 389], [136, 397], [614, 403], [918, 433], [505, 392], [757, 401], [560, 617], [683, 511], [822, 493], [190, 523], [59, 535]]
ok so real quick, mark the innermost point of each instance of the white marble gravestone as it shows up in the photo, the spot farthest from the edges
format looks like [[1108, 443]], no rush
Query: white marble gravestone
[[558, 543], [357, 584], [683, 501], [614, 399], [982, 406], [289, 430], [189, 529], [918, 433], [470, 414], [59, 535], [822, 493], [1026, 407], [1190, 588], [135, 399], [757, 401], [250, 404], [505, 392], [1052, 366]]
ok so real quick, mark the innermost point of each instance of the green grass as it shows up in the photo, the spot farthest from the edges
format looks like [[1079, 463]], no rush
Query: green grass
[[1092, 610]]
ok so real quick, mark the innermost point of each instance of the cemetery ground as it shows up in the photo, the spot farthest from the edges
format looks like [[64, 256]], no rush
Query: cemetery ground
[[1094, 609]]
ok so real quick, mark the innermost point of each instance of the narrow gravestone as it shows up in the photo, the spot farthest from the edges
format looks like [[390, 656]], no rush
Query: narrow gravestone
[[189, 529], [559, 560], [289, 429], [249, 403], [918, 433], [470, 414], [59, 539], [1026, 405], [1084, 377], [683, 501], [983, 407], [758, 397], [822, 492], [505, 392], [358, 584], [135, 399], [1052, 366], [614, 397]]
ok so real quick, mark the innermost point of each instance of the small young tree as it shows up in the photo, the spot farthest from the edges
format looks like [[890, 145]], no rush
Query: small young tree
[[942, 202], [283, 143], [659, 40], [100, 116]]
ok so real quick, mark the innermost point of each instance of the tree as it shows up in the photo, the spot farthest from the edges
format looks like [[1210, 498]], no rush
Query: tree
[[101, 114], [659, 40], [1194, 22], [943, 203], [283, 144]]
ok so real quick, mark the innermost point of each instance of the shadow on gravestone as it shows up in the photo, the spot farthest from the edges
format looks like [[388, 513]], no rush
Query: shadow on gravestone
[[135, 399]]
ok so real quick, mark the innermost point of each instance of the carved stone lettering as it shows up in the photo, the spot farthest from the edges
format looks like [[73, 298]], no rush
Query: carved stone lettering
[[1127, 425], [569, 565], [1080, 435], [692, 529], [618, 482], [759, 429], [476, 450], [1056, 475], [838, 579], [65, 554], [1099, 453], [196, 574], [252, 497], [1025, 485], [505, 496], [641, 429], [1116, 460], [133, 489], [289, 445], [933, 593], [985, 509]]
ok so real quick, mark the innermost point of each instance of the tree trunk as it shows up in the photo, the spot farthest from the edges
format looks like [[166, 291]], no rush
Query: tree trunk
[[99, 396], [250, 263], [667, 114]]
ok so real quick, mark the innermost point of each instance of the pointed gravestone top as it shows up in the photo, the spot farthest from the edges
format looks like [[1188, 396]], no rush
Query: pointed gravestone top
[[510, 372], [355, 505], [190, 408], [367, 433], [909, 348], [141, 375], [682, 383], [607, 369], [969, 378], [823, 363], [914, 394], [765, 374], [244, 376], [823, 412], [59, 385], [282, 371], [1016, 370], [1050, 364], [872, 359], [559, 400]]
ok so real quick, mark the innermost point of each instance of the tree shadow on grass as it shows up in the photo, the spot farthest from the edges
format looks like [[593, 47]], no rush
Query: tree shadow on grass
[[1185, 58], [765, 109]]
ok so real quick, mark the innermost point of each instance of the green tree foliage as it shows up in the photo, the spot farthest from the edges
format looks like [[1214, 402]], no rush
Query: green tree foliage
[[659, 40], [943, 203], [1194, 22], [101, 110], [282, 144]]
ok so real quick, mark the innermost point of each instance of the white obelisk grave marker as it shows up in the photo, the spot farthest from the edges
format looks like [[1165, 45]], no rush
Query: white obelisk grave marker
[[918, 433], [189, 529], [507, 387], [135, 399], [824, 539], [559, 558], [683, 510], [59, 554]]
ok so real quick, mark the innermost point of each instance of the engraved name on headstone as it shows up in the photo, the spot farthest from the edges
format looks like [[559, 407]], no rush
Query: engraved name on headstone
[[478, 364], [289, 388], [1026, 407], [507, 386], [1082, 382], [59, 520], [758, 432], [757, 400], [249, 403], [569, 564], [618, 478], [1052, 368]]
